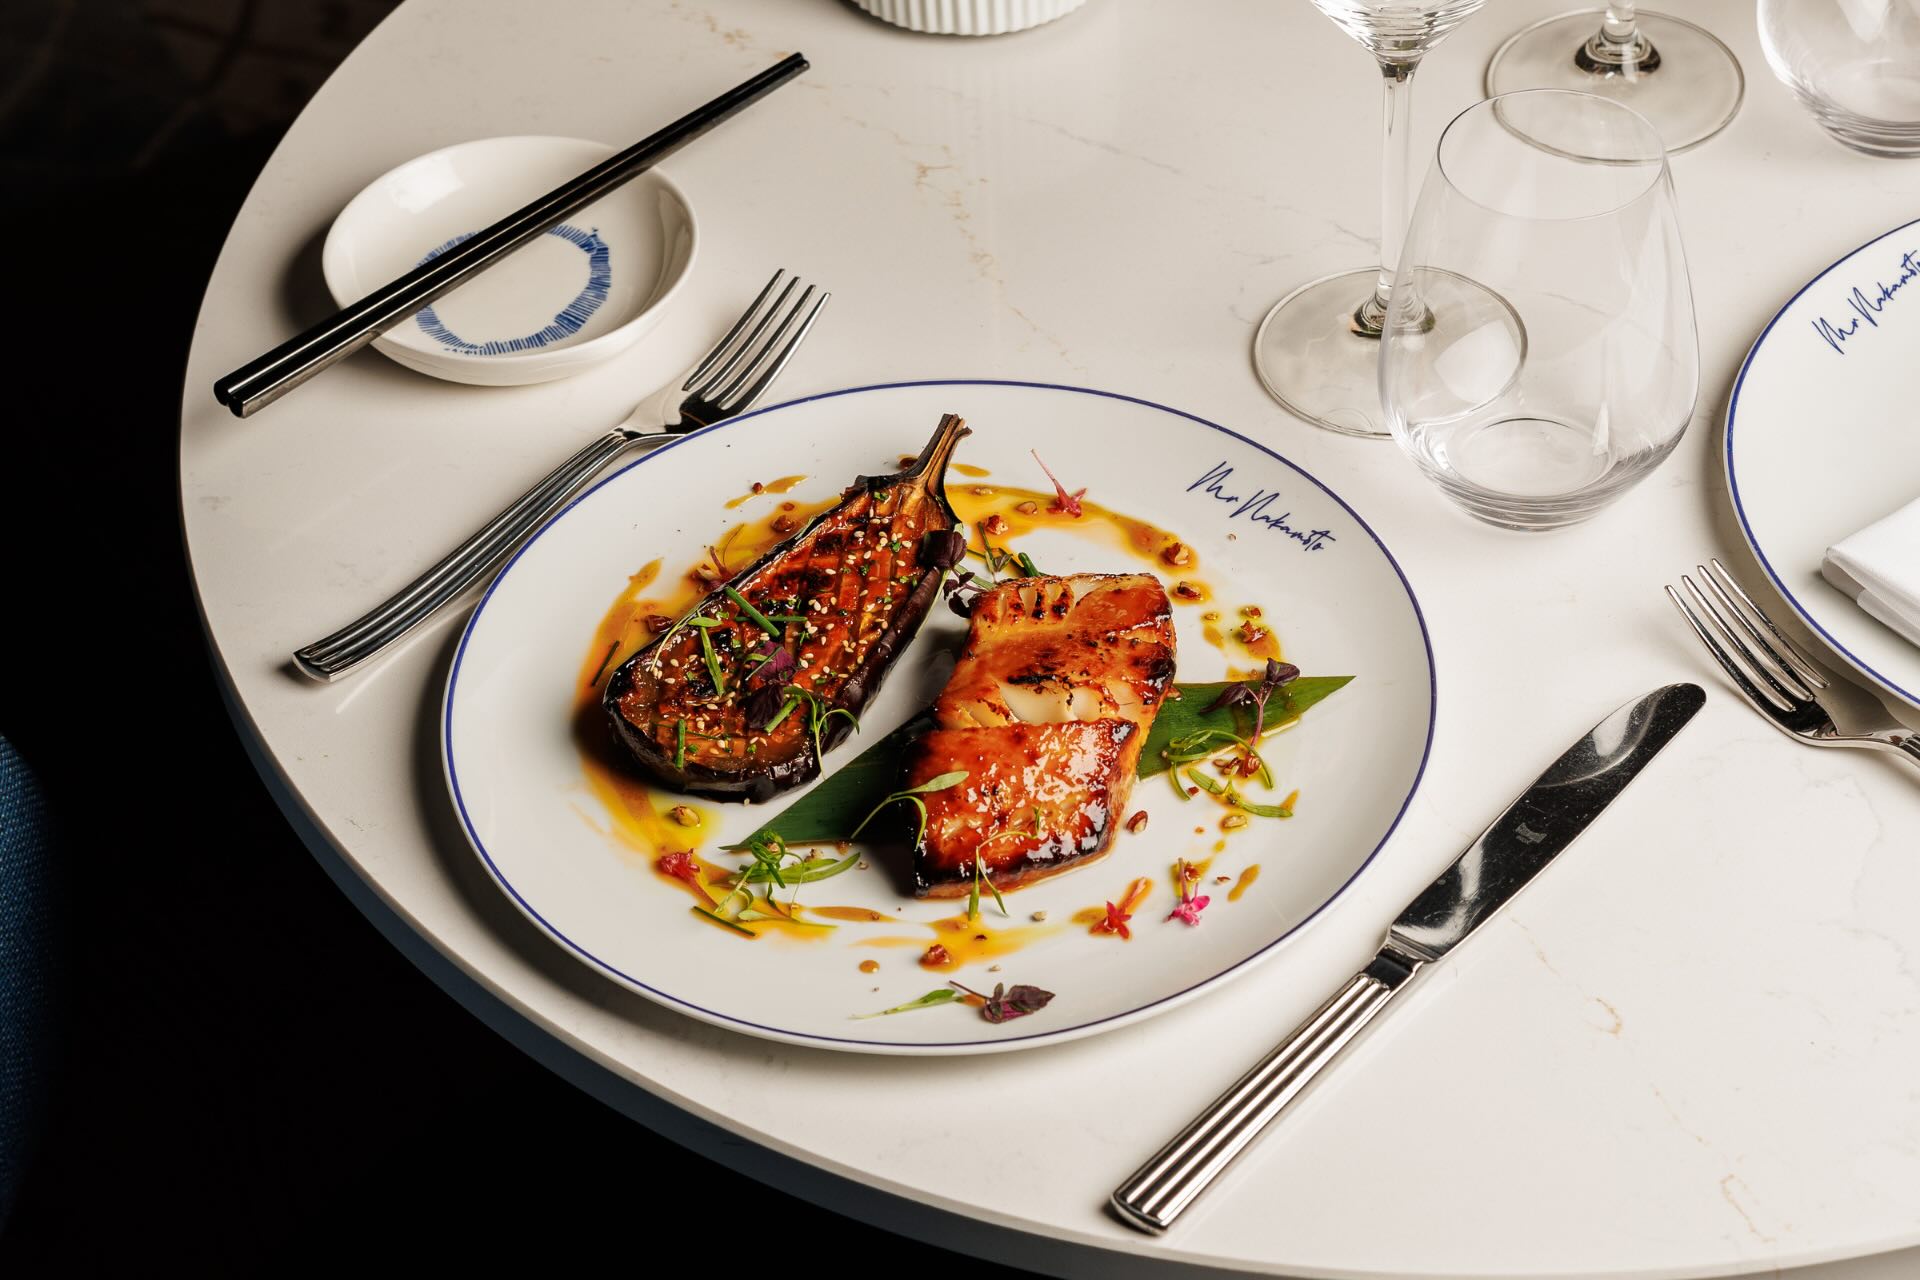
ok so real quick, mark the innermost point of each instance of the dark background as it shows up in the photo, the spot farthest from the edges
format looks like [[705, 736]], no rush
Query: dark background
[[247, 1076]]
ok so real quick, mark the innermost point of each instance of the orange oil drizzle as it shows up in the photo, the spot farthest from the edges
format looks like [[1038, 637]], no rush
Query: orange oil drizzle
[[785, 484], [1244, 883]]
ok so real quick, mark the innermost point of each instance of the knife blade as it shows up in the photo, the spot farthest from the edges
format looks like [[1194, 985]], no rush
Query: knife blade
[[1534, 829]]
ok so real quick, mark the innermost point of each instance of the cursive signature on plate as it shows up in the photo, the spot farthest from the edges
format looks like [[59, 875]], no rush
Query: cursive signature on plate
[[1257, 508], [1868, 306]]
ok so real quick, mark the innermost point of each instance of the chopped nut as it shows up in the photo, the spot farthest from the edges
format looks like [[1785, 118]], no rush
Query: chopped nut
[[758, 487], [981, 491], [1233, 822], [995, 525], [1249, 610], [993, 968], [684, 815], [1211, 615], [1221, 879], [783, 524], [1039, 916], [786, 506], [1185, 590], [1027, 508], [936, 955], [860, 865], [1252, 632], [1138, 822], [1177, 554]]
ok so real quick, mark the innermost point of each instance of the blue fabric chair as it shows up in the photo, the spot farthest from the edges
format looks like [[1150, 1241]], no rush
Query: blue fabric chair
[[27, 961]]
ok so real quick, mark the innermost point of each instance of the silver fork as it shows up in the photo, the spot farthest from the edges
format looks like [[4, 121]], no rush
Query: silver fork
[[726, 383], [1792, 691]]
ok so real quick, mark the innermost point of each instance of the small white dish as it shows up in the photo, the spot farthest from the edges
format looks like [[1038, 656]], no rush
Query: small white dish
[[585, 291], [1254, 519], [1820, 441]]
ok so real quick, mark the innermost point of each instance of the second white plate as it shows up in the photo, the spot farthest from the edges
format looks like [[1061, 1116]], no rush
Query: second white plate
[[1265, 532], [1821, 440]]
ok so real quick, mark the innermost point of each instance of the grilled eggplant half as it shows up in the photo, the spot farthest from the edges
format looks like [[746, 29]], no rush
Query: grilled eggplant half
[[1046, 712], [738, 699]]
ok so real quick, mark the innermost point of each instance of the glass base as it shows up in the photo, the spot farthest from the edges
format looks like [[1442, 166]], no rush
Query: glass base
[[1313, 361], [1689, 89]]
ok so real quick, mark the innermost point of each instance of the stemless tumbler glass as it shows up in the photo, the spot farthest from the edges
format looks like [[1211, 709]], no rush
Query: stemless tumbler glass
[[1540, 355]]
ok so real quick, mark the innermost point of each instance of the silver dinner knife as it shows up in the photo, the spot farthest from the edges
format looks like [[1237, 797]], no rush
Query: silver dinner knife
[[1511, 852]]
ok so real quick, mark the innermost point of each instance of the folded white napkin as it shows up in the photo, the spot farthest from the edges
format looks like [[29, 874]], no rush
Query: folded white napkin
[[1880, 568]]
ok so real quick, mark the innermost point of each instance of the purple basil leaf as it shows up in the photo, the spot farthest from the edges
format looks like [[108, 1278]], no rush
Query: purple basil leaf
[[1278, 673], [1028, 999], [943, 549], [763, 704], [1231, 696]]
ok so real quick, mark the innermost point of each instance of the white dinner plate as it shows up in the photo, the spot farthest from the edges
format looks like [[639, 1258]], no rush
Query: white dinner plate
[[1822, 440], [1265, 532]]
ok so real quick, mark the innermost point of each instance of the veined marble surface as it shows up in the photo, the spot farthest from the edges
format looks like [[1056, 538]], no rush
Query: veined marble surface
[[1693, 1048]]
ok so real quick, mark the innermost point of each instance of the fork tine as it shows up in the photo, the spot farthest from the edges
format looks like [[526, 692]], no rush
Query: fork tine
[[754, 392], [1799, 662], [772, 345], [700, 370], [1764, 702], [1792, 696], [1760, 652], [747, 344]]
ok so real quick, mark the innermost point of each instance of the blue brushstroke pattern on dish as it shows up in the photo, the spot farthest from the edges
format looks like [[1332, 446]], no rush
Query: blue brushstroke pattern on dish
[[565, 325]]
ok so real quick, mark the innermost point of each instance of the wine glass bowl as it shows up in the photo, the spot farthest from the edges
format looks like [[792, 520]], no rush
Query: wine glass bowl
[[1856, 69], [1540, 356]]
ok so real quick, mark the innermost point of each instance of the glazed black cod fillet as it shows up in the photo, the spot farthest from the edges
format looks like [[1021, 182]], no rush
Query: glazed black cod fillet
[[735, 700]]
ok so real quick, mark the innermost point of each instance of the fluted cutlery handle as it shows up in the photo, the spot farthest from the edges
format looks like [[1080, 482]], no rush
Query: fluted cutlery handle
[[367, 636], [1162, 1188]]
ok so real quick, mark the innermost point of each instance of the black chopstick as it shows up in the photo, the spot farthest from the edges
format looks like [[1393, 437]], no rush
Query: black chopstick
[[264, 380]]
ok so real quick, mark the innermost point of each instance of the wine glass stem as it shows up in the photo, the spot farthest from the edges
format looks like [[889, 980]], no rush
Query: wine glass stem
[[1396, 159], [1619, 46]]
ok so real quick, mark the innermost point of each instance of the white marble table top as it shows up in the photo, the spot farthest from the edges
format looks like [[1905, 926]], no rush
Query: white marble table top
[[1692, 1049]]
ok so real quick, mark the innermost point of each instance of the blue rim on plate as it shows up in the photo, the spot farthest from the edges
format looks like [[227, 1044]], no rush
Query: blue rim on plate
[[800, 1037], [1733, 479]]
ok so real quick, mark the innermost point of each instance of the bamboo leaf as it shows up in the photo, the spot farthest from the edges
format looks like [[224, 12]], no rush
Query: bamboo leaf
[[830, 810]]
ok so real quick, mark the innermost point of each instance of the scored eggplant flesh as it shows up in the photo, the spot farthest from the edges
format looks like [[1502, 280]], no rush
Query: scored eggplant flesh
[[845, 594], [1046, 712]]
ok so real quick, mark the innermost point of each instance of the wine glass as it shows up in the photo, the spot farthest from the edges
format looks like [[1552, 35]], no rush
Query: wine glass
[[1677, 75], [1318, 349], [1857, 70], [1540, 356]]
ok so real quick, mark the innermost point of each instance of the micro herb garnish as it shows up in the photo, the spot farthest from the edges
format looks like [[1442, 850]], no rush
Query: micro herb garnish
[[1206, 783], [680, 744], [713, 666], [603, 664], [1004, 1005], [722, 921], [771, 653], [1007, 1003], [1189, 747], [759, 619], [979, 875], [1275, 675], [1067, 503], [942, 548], [912, 795], [945, 995], [1238, 801], [819, 716]]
